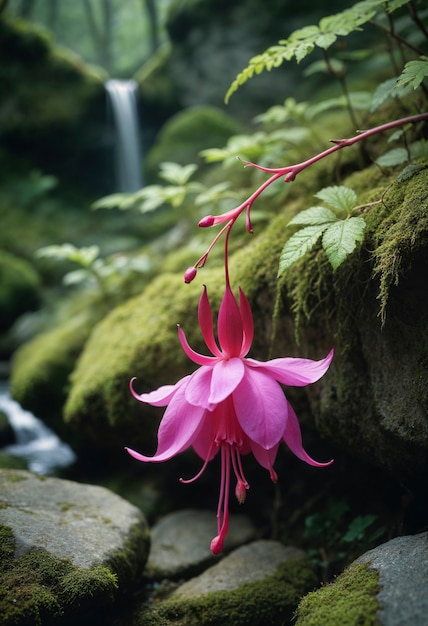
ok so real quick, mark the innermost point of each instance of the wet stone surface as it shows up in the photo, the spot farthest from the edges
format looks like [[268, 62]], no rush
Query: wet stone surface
[[180, 542]]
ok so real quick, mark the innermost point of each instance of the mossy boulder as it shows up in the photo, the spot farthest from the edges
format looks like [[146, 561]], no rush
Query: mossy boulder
[[41, 368], [350, 601], [52, 106], [356, 409], [70, 554], [7, 435], [19, 289], [187, 133], [259, 584]]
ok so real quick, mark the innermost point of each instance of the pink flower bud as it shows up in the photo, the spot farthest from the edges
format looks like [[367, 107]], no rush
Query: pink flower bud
[[241, 491], [206, 221], [190, 274]]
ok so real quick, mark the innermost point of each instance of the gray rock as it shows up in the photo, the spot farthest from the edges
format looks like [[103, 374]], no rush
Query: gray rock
[[247, 564], [180, 542], [402, 564], [258, 584], [84, 523]]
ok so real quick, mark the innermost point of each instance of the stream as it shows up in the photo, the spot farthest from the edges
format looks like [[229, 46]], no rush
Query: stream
[[43, 450]]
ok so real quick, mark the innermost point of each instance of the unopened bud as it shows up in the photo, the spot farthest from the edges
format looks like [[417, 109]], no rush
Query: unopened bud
[[190, 274], [206, 221], [241, 491]]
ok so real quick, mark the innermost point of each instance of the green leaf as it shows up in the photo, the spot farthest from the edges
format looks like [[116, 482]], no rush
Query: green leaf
[[358, 527], [393, 157], [299, 244], [414, 73], [339, 197], [340, 239], [176, 174], [316, 215]]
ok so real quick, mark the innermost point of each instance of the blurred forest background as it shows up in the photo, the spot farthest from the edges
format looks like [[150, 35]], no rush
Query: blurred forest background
[[115, 34]]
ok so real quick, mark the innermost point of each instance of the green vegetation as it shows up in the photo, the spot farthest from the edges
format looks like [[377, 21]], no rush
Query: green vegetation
[[349, 601], [39, 588], [265, 603]]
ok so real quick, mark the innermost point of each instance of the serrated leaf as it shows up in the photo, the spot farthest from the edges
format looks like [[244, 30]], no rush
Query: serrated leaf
[[339, 197], [414, 73], [325, 40], [382, 93], [316, 215], [392, 157], [340, 239], [175, 173], [298, 245]]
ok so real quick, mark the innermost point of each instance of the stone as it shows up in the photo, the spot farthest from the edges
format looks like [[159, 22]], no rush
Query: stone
[[247, 564], [385, 586], [87, 524], [402, 564], [258, 584], [180, 542]]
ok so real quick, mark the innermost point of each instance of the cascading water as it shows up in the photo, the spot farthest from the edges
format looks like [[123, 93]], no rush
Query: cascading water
[[35, 442], [122, 95]]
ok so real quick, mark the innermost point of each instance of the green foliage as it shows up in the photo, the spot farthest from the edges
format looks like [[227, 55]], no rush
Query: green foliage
[[304, 40], [413, 74], [339, 235], [334, 539], [153, 197], [106, 272]]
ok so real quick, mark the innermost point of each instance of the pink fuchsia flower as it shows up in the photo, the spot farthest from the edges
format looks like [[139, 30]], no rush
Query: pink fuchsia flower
[[231, 403]]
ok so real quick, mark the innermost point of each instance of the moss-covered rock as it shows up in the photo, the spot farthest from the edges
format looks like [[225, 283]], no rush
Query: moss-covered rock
[[19, 289], [70, 554], [350, 601], [41, 368], [51, 103], [357, 410], [242, 590], [6, 431], [39, 588]]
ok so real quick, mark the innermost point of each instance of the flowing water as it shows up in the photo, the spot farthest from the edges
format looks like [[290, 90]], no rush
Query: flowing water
[[35, 442], [123, 101]]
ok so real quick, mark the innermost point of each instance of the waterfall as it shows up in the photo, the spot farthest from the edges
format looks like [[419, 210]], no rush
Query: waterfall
[[122, 98], [39, 445]]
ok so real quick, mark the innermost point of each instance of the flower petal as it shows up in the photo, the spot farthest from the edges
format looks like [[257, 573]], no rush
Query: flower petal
[[178, 428], [199, 359], [247, 322], [205, 319], [294, 372], [159, 397], [266, 458], [261, 408], [229, 325], [204, 444], [226, 377], [293, 439], [198, 388]]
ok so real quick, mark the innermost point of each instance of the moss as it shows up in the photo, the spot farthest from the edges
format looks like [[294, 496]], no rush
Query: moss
[[264, 603], [19, 288], [350, 601], [10, 461], [397, 227], [39, 588], [41, 367]]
